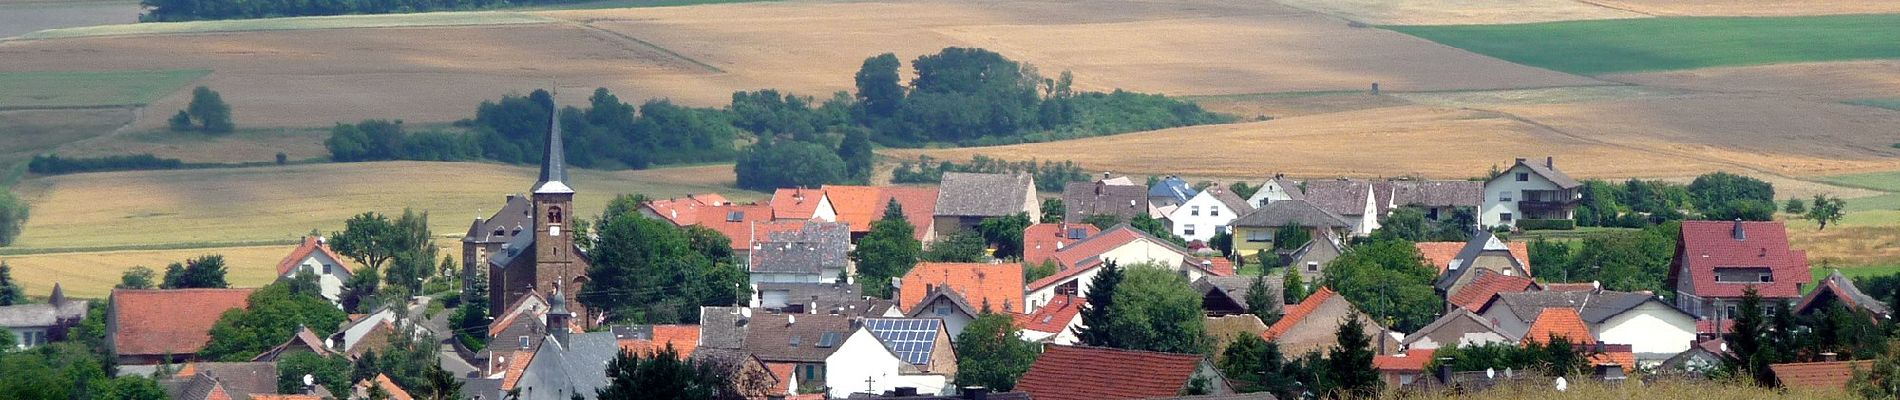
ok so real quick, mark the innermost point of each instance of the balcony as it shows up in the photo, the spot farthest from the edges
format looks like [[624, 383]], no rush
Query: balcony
[[1536, 205]]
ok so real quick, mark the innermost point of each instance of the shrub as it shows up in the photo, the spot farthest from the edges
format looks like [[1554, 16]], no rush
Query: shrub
[[50, 164], [1546, 224]]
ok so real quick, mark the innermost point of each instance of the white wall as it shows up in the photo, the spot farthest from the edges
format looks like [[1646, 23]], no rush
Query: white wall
[[1507, 183], [1269, 192], [1214, 217], [953, 320], [825, 211], [862, 357], [20, 334], [1652, 329], [331, 283], [830, 276], [1135, 252]]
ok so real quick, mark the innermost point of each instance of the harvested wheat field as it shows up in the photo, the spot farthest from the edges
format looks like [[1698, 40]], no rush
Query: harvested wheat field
[[1770, 134], [1829, 81], [92, 274], [699, 55], [246, 145], [1391, 141], [1751, 8], [282, 203], [1282, 105], [1461, 12]]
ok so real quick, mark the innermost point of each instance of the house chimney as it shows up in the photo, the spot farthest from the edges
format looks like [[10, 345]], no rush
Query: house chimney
[[1739, 233], [976, 393], [1550, 162], [1521, 160], [1105, 174]]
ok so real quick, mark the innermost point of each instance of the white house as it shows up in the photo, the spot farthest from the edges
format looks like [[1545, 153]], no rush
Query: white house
[[1207, 213], [886, 353], [1654, 330], [1053, 323], [1276, 189], [314, 255], [1122, 244], [1529, 190], [1350, 199]]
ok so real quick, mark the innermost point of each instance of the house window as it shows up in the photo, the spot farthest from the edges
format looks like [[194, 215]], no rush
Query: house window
[[1312, 266], [329, 269], [1187, 230], [1523, 177], [1260, 235], [1731, 312], [1213, 211], [1765, 277], [941, 309], [1504, 196], [1506, 217], [1432, 214], [521, 341], [1194, 210]]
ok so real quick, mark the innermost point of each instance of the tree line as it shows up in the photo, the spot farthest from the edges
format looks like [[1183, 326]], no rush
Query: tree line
[[189, 10], [1638, 203], [52, 164], [1050, 175]]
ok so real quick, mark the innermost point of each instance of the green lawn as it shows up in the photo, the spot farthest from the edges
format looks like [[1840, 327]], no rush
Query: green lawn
[[1656, 44], [1882, 181], [1891, 103], [1855, 272], [90, 89]]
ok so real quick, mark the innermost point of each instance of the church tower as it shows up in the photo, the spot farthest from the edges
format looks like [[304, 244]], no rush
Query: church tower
[[555, 266]]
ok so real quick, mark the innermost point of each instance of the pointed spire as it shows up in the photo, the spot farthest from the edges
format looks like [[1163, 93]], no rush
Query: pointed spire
[[554, 165], [59, 295]]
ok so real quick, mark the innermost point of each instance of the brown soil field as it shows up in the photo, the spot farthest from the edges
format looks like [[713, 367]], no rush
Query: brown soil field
[[1461, 12], [699, 55], [1832, 81], [92, 274], [24, 133], [1751, 8], [1383, 142], [281, 203]]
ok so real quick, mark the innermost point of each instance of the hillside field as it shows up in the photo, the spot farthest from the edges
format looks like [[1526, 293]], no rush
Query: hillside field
[[1654, 44], [55, 89], [92, 274], [234, 205]]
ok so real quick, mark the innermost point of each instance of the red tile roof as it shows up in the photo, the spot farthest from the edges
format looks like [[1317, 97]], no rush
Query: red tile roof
[[1298, 312], [1818, 375], [999, 285], [1559, 321], [218, 393], [1622, 357], [1218, 266], [1708, 326], [177, 322], [796, 203], [1440, 254], [1041, 241], [1081, 256], [1481, 289], [1709, 245], [309, 245], [395, 392], [718, 218], [517, 364], [685, 211], [855, 205], [919, 204], [1412, 360], [684, 338], [1052, 317], [785, 372], [1097, 373]]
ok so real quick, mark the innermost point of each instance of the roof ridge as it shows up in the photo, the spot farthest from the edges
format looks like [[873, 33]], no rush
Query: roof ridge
[[1084, 347]]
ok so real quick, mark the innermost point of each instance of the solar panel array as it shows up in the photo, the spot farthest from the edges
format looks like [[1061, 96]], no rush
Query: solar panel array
[[911, 339]]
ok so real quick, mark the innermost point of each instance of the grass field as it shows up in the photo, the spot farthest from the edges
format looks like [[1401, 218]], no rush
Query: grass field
[[1892, 103], [92, 274], [296, 23], [24, 133], [1634, 388], [1855, 271], [1752, 8], [199, 207], [1653, 44], [54, 89]]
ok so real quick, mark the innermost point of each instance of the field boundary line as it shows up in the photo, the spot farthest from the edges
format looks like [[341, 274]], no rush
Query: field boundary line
[[1624, 9], [21, 251], [650, 45]]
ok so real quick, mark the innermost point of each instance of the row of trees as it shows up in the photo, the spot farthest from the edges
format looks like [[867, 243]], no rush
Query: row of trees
[[1622, 260], [1050, 175], [1637, 203], [49, 164]]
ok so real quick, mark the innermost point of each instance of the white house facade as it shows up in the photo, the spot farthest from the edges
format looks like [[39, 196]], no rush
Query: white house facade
[[863, 364], [1529, 191], [1206, 214], [1654, 331], [314, 255], [1276, 189]]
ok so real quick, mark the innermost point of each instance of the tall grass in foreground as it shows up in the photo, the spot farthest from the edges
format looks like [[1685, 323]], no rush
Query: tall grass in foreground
[[1664, 389]]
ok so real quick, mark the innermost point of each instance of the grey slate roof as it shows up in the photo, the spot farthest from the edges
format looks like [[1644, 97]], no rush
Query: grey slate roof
[[983, 195], [722, 327], [1082, 199], [1481, 244], [1291, 213], [514, 215], [1344, 197], [576, 368], [1292, 188], [554, 163], [1456, 315], [1559, 178], [936, 293], [810, 250], [1173, 189], [42, 314], [1595, 307], [792, 337], [1228, 198], [483, 388], [1437, 193], [844, 298], [1236, 287], [198, 387], [1859, 298], [239, 379]]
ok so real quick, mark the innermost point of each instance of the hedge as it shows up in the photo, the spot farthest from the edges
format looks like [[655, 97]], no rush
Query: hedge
[[1546, 224]]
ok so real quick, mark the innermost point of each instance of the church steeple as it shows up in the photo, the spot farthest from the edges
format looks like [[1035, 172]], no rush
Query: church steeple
[[554, 165]]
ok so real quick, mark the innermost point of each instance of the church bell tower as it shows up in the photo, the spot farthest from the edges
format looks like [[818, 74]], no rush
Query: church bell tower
[[555, 268]]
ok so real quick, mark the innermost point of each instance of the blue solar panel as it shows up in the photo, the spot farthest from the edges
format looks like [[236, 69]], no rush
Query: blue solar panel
[[912, 339]]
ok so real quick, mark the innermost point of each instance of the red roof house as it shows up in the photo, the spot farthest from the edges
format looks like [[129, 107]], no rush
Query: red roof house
[[1487, 285], [1402, 369], [1717, 260], [1052, 322], [801, 204], [1099, 373], [1828, 375], [1042, 241], [655, 338], [1559, 321], [1313, 324], [999, 286], [149, 325]]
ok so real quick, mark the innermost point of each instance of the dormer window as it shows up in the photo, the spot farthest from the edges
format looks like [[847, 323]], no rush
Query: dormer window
[[1523, 177], [499, 232], [1078, 233]]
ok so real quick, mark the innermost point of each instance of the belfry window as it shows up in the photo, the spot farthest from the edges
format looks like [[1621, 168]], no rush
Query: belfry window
[[554, 215]]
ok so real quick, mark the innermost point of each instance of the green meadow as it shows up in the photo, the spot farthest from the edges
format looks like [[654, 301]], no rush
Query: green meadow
[[1658, 44]]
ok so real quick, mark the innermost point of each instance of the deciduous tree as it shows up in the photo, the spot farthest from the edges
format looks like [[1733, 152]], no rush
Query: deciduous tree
[[992, 353], [888, 251], [202, 272]]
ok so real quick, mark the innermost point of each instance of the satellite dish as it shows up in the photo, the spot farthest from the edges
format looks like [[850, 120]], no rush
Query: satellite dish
[[1491, 373], [745, 312], [1562, 385], [309, 380], [1508, 373]]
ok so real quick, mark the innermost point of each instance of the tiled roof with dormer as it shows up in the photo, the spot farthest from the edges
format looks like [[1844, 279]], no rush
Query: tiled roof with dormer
[[1710, 245], [1098, 373]]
